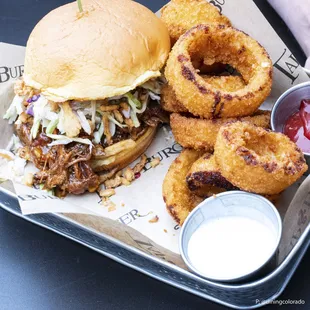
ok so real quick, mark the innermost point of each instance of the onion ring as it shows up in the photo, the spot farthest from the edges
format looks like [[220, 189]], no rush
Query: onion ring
[[180, 201], [170, 102], [257, 160], [181, 15], [218, 43], [206, 177], [200, 134]]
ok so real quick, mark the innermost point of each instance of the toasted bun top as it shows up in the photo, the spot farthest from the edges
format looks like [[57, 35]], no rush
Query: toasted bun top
[[107, 50]]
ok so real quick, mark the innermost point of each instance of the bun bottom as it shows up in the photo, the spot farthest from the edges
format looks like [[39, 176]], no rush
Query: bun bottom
[[126, 157]]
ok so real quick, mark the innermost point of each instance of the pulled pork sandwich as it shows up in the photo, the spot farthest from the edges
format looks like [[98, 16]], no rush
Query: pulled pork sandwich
[[89, 98]]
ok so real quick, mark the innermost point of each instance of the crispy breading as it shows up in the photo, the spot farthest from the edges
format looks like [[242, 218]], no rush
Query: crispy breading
[[140, 165], [257, 160], [113, 183], [108, 108], [218, 43], [107, 133], [21, 89], [107, 192], [201, 133], [170, 102], [129, 174], [181, 15], [180, 201], [28, 179], [107, 175], [206, 178], [155, 162], [119, 117], [71, 123]]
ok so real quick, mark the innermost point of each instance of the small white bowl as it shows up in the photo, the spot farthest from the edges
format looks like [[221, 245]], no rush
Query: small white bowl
[[233, 203]]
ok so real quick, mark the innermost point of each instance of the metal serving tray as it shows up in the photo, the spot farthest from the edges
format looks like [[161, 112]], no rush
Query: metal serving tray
[[239, 296]]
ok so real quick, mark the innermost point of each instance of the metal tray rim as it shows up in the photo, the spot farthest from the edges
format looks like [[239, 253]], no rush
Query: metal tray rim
[[286, 261], [195, 292]]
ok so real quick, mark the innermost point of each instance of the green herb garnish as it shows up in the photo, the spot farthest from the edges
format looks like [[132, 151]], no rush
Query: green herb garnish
[[80, 5]]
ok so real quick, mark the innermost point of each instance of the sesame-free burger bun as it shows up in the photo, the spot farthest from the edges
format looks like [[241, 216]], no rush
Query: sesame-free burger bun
[[110, 48]]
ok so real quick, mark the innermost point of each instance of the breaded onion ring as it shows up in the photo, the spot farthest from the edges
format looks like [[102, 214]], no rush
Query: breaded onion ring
[[200, 134], [257, 160], [181, 15], [206, 177], [225, 45], [170, 102], [178, 198]]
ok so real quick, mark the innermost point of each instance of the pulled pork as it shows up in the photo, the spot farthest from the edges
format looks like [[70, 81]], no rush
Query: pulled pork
[[63, 167], [154, 115], [66, 168]]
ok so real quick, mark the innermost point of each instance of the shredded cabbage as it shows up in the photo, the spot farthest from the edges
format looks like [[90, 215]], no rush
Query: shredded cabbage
[[52, 126], [42, 113], [60, 142], [133, 101], [15, 109], [17, 144], [61, 139], [98, 134], [113, 120], [134, 110], [39, 110], [154, 96], [112, 128], [45, 122], [134, 107], [134, 118], [60, 125], [97, 120], [11, 166], [49, 191], [84, 122], [14, 144], [35, 128], [126, 113], [144, 106], [93, 112], [153, 85]]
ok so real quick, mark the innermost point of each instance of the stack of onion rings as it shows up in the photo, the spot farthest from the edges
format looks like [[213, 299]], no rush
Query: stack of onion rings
[[219, 114]]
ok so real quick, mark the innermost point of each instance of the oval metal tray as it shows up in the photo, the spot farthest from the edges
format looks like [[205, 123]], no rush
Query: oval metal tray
[[239, 296]]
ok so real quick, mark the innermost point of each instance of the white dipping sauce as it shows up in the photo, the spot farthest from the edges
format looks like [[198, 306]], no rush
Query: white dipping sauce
[[230, 247]]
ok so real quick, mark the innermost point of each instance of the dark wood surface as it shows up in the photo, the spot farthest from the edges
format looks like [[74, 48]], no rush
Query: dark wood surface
[[41, 270]]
